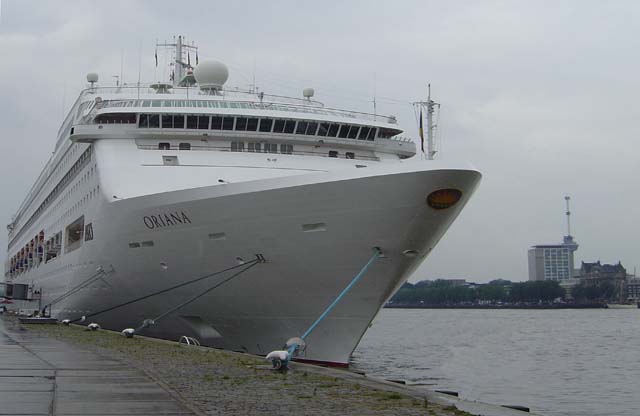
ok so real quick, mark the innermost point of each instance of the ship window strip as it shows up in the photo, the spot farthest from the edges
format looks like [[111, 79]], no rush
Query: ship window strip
[[240, 105], [80, 163]]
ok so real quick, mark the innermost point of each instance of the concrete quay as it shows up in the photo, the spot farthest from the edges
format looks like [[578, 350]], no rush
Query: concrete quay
[[40, 375], [59, 370]]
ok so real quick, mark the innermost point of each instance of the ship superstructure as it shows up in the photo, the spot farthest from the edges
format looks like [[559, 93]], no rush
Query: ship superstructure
[[153, 186]]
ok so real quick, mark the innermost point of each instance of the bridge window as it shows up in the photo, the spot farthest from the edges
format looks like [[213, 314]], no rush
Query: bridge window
[[333, 153], [154, 121], [385, 133], [227, 123], [353, 132], [254, 147], [164, 146], [237, 146], [333, 130], [286, 149], [216, 123], [302, 127], [170, 121], [241, 123], [184, 146], [203, 122], [372, 134], [364, 132], [289, 126], [270, 148], [192, 122], [311, 129], [324, 129], [344, 131], [252, 124], [278, 126], [149, 121], [265, 125], [350, 155], [116, 118]]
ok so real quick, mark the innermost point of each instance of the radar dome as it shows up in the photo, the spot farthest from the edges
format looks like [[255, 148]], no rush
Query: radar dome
[[211, 74], [308, 93], [92, 77]]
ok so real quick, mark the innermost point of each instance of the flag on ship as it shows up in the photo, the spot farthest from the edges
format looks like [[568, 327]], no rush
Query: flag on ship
[[421, 132], [196, 57], [156, 58], [188, 59]]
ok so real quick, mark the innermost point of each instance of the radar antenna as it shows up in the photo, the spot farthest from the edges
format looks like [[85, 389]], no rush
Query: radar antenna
[[179, 65]]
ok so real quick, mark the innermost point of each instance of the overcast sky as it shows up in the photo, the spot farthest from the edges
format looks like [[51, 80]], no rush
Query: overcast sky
[[541, 96]]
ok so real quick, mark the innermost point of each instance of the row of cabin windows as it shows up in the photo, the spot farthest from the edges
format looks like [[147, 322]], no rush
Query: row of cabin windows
[[167, 146], [285, 149], [263, 125]]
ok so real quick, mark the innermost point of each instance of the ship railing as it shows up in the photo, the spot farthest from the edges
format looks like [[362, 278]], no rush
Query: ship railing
[[233, 99], [227, 149], [402, 139]]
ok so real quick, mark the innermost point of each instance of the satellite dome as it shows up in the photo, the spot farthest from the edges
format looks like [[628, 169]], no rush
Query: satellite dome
[[211, 75], [308, 93], [92, 77]]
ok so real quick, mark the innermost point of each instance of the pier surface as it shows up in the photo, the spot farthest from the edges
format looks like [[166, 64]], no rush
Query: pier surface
[[40, 375], [58, 370]]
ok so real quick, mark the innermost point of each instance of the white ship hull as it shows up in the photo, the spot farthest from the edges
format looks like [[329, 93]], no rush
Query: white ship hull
[[257, 312]]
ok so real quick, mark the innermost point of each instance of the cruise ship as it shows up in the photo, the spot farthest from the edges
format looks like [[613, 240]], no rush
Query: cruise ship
[[229, 216]]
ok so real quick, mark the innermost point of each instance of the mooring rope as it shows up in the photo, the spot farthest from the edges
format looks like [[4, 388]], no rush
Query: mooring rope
[[258, 259], [73, 290], [149, 322]]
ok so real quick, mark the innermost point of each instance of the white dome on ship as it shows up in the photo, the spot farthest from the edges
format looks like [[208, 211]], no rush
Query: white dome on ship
[[211, 74]]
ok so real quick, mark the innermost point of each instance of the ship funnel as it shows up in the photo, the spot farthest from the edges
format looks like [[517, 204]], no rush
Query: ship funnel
[[211, 76]]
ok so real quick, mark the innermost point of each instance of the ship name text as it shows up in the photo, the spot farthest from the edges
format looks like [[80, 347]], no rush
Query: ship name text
[[165, 220]]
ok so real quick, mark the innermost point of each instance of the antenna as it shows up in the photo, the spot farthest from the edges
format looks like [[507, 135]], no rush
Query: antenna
[[179, 64], [121, 66], [375, 92], [567, 198], [429, 107]]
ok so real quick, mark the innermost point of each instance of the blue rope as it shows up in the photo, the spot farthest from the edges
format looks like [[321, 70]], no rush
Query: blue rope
[[292, 349]]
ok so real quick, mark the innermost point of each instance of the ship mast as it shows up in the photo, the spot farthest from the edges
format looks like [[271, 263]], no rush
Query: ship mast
[[179, 64], [428, 107]]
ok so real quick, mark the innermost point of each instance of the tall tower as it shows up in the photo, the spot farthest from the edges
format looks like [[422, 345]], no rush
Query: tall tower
[[568, 239]]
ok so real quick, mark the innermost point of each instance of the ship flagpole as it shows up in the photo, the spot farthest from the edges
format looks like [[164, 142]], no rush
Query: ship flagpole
[[427, 107]]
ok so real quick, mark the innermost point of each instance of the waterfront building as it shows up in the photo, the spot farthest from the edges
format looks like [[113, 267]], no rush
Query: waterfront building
[[554, 261], [592, 274], [633, 289]]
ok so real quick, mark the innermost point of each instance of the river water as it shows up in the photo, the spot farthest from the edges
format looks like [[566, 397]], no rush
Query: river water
[[557, 362]]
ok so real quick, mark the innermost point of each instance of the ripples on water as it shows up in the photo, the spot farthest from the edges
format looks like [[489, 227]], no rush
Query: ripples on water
[[557, 362]]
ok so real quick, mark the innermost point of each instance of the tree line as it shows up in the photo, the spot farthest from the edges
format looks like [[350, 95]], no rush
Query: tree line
[[442, 292], [446, 292]]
